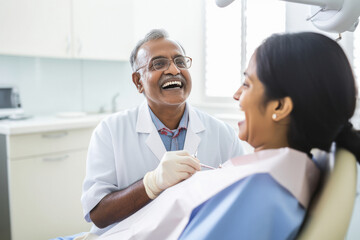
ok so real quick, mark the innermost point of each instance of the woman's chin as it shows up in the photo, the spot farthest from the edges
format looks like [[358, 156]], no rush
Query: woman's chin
[[242, 131], [242, 137]]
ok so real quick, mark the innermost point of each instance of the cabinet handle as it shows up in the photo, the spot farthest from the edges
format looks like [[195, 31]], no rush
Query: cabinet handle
[[52, 159], [54, 135]]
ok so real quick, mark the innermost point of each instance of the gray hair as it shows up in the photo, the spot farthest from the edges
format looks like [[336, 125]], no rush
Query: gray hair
[[152, 35]]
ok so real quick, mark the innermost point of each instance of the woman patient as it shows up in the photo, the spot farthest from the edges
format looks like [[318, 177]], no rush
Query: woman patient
[[298, 93]]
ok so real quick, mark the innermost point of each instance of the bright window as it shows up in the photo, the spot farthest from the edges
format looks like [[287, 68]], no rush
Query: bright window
[[232, 35], [356, 67], [356, 54]]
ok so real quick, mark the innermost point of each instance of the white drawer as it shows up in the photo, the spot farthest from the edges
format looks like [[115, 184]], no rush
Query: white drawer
[[48, 142], [45, 194]]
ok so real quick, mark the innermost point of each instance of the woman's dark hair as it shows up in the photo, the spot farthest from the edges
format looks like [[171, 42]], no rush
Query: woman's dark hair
[[314, 72]]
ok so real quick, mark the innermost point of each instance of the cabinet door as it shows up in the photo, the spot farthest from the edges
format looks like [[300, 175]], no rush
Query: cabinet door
[[36, 27], [45, 196], [182, 19], [103, 29]]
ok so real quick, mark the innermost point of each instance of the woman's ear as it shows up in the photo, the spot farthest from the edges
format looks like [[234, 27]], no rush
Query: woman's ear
[[283, 109], [137, 81]]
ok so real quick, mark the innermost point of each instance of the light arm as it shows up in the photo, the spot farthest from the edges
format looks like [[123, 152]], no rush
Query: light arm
[[335, 16], [325, 4]]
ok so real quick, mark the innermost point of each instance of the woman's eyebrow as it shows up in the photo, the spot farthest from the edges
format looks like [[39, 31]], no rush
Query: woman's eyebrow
[[247, 75]]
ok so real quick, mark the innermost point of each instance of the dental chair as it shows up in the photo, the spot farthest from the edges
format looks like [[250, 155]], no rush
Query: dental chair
[[331, 209]]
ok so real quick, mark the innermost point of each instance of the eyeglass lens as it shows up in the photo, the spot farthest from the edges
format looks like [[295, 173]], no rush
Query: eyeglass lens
[[164, 63]]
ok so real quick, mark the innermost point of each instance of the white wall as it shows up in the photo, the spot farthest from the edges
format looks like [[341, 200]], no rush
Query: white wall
[[48, 86]]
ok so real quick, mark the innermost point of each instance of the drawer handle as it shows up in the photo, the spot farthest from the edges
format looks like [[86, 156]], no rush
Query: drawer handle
[[54, 135], [52, 159]]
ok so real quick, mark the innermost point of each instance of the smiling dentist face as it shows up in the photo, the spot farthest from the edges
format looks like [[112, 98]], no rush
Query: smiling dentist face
[[165, 88], [259, 128]]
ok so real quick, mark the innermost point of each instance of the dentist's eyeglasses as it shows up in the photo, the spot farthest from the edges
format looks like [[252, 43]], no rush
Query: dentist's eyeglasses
[[163, 64]]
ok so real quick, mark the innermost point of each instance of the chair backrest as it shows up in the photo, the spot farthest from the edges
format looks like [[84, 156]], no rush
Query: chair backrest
[[331, 210]]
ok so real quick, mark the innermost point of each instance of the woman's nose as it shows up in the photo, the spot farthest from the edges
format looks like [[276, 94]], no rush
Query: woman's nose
[[237, 94]]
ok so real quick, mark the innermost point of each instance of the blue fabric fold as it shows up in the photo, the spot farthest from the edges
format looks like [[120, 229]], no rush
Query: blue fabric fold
[[254, 208]]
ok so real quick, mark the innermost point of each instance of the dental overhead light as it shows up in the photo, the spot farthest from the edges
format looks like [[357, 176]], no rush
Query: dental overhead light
[[334, 16]]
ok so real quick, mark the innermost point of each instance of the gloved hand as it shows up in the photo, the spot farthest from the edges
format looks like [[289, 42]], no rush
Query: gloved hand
[[174, 167]]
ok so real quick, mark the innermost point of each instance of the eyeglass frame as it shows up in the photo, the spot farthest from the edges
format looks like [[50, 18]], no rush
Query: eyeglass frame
[[172, 60]]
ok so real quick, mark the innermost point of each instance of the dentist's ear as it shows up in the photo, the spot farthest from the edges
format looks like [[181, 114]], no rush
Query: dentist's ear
[[282, 109], [137, 81]]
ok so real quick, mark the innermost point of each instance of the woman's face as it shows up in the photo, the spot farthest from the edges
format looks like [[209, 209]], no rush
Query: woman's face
[[258, 128]]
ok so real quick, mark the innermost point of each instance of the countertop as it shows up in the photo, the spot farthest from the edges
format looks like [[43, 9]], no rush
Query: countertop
[[48, 123]]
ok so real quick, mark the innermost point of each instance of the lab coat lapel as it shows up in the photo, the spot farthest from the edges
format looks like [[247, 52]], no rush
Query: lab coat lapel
[[144, 124], [195, 126]]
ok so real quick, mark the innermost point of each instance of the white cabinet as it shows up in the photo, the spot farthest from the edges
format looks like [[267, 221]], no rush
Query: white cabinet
[[181, 18], [86, 29], [45, 196], [36, 27], [102, 29], [46, 171], [94, 29]]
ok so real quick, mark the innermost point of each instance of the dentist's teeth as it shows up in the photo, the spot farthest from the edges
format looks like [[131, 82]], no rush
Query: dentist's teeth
[[175, 83]]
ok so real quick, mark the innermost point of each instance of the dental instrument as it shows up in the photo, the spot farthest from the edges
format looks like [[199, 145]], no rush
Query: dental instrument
[[204, 165]]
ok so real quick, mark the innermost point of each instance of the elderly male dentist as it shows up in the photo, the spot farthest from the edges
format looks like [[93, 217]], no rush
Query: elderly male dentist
[[136, 154]]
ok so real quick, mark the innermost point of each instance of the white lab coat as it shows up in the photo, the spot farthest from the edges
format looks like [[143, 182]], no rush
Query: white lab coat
[[126, 145]]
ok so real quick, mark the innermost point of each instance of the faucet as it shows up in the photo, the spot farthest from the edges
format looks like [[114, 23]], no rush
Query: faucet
[[114, 102]]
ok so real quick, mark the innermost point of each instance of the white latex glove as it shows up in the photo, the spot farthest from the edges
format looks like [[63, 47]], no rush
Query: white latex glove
[[174, 167]]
